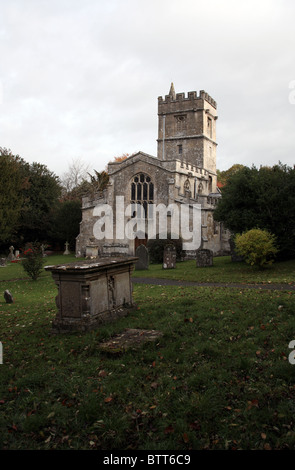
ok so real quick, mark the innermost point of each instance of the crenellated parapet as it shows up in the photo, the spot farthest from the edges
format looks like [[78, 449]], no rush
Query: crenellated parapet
[[192, 97]]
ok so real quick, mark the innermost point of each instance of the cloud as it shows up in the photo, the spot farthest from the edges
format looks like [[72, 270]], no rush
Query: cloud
[[81, 79]]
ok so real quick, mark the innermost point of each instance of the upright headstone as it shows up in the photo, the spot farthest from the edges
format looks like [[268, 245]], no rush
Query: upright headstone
[[169, 257], [2, 262], [143, 258], [204, 258], [8, 297], [11, 256]]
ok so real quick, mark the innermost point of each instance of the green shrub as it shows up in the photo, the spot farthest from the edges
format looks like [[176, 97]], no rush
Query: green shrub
[[32, 261], [156, 248], [257, 247]]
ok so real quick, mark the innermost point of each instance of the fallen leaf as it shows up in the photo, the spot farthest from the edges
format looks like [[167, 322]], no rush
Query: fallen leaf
[[252, 403], [185, 437], [108, 399], [102, 373], [169, 429]]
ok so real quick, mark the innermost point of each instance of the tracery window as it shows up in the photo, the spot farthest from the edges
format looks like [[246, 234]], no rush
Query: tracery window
[[142, 192]]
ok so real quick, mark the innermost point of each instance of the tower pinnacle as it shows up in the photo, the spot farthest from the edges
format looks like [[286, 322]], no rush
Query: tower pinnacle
[[172, 92]]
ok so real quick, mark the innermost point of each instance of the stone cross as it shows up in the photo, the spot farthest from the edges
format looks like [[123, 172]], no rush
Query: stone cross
[[67, 249]]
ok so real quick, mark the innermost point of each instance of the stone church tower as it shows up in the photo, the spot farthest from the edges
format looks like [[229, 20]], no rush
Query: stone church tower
[[187, 129], [183, 173]]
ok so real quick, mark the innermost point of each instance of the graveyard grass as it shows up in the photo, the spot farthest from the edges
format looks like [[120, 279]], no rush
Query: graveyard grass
[[218, 378]]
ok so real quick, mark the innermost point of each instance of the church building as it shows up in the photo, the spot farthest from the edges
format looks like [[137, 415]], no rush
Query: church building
[[183, 173]]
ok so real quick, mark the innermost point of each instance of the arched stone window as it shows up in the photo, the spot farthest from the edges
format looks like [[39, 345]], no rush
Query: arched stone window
[[187, 185], [142, 192]]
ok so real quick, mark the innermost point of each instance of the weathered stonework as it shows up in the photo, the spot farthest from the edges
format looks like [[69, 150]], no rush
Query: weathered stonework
[[184, 172], [91, 293]]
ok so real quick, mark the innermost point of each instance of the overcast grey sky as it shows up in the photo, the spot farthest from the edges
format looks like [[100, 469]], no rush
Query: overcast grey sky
[[81, 78]]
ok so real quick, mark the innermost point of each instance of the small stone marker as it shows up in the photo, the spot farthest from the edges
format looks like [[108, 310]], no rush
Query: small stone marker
[[204, 258], [143, 258], [169, 257], [2, 262], [8, 297]]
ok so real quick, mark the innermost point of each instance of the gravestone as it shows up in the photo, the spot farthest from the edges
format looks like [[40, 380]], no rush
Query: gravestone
[[2, 262], [169, 257], [143, 258], [11, 256], [204, 258], [66, 252], [8, 297]]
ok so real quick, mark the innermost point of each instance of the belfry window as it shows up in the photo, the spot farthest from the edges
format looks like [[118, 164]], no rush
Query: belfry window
[[142, 192], [209, 126], [180, 123]]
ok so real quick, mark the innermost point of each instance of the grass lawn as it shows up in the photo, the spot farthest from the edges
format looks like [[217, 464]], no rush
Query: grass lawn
[[218, 378], [223, 270]]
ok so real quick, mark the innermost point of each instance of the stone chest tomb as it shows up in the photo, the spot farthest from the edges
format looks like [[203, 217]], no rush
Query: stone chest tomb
[[91, 293]]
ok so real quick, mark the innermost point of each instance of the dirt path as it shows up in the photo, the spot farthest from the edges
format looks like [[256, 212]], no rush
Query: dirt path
[[173, 282]]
